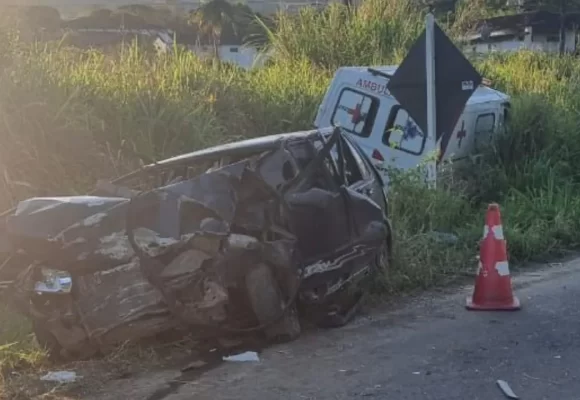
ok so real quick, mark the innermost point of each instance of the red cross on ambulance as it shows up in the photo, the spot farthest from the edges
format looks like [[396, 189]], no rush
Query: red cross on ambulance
[[356, 115]]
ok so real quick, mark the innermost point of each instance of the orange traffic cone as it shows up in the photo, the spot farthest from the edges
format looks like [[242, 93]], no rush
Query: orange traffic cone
[[493, 285]]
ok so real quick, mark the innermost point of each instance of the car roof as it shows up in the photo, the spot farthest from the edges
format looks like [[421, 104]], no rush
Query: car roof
[[242, 147], [482, 94]]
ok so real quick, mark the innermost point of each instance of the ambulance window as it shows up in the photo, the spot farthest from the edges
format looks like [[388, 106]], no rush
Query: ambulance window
[[483, 132], [402, 132], [484, 124], [355, 112]]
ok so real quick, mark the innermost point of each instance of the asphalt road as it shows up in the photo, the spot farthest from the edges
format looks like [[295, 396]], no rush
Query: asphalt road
[[430, 348]]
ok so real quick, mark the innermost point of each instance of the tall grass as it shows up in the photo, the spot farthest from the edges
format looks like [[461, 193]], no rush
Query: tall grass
[[69, 117], [376, 32]]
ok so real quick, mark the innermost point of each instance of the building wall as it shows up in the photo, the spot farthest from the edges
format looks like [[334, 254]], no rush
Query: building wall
[[536, 42], [247, 57], [243, 56]]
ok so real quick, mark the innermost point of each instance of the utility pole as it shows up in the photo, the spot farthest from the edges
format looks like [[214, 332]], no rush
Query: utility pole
[[431, 95]]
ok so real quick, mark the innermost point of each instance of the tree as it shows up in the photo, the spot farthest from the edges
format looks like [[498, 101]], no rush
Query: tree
[[212, 18], [102, 13], [258, 30], [151, 15]]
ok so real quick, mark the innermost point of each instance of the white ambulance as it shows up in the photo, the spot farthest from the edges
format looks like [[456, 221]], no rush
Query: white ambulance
[[358, 101]]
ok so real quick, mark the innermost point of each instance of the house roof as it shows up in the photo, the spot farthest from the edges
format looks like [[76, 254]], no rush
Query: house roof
[[130, 22], [542, 19]]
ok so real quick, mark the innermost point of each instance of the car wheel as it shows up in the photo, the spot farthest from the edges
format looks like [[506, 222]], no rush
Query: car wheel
[[47, 341], [267, 303], [340, 315]]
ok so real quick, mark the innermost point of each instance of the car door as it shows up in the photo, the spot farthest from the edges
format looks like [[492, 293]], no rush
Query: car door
[[353, 170], [368, 182]]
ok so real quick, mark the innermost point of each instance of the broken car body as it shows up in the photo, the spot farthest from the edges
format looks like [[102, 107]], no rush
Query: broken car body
[[234, 239]]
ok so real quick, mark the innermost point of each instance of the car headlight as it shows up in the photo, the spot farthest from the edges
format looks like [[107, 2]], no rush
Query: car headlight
[[54, 281]]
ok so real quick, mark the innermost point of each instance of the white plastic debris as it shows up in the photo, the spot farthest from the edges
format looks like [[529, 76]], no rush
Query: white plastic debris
[[60, 377], [243, 357], [444, 237], [505, 388]]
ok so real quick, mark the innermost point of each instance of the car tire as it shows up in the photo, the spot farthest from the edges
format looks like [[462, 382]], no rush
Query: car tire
[[267, 303], [341, 317], [338, 318]]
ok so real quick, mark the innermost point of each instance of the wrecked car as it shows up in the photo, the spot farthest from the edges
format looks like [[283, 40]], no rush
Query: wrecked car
[[246, 237]]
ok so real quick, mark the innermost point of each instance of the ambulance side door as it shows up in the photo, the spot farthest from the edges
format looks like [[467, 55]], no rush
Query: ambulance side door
[[462, 140], [405, 143]]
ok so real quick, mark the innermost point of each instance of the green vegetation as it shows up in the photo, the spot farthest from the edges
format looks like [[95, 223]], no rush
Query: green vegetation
[[69, 117]]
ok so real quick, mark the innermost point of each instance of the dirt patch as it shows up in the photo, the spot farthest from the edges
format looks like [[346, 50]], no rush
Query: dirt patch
[[96, 375]]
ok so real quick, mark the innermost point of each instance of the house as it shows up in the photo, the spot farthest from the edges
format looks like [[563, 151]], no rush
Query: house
[[229, 49], [538, 31], [105, 30]]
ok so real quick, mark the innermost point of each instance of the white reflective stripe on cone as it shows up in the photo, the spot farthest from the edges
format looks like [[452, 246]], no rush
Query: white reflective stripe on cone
[[498, 232], [503, 268]]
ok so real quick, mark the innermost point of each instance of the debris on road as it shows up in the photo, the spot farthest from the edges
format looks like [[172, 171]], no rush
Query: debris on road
[[222, 242], [243, 357], [444, 237], [194, 365], [61, 377], [506, 389]]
